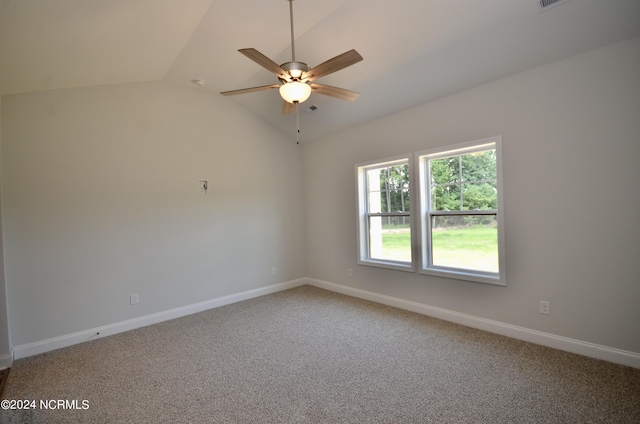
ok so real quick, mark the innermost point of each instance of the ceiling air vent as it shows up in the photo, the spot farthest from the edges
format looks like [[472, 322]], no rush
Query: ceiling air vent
[[545, 4]]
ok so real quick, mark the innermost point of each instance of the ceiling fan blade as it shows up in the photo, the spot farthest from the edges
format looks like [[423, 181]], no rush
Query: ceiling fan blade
[[249, 90], [288, 107], [332, 65], [266, 63], [339, 93]]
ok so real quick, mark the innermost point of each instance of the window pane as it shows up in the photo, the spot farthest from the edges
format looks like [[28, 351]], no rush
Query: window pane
[[399, 201], [388, 189], [445, 198], [390, 238], [480, 196], [479, 166], [376, 195], [375, 177], [467, 242], [445, 170], [377, 202], [395, 177]]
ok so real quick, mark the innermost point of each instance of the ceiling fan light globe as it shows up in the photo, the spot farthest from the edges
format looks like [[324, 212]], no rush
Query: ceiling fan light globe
[[295, 92]]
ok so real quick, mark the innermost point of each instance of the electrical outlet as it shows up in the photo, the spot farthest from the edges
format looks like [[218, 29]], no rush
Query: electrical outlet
[[349, 272], [134, 299], [545, 307], [273, 271]]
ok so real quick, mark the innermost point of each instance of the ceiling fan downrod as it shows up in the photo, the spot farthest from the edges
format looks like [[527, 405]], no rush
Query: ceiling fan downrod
[[293, 46], [293, 68]]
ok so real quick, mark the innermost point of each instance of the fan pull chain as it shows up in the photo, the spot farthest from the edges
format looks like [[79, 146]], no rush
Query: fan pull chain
[[297, 124]]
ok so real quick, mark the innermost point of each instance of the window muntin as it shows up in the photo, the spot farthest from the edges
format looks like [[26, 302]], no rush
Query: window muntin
[[385, 222], [461, 225]]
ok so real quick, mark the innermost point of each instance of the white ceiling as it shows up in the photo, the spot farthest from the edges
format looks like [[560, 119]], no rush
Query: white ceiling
[[414, 50]]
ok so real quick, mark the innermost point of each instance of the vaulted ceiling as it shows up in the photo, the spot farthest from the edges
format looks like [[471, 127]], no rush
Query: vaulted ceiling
[[414, 50]]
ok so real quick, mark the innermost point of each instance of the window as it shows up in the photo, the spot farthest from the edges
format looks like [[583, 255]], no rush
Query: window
[[384, 214], [461, 216], [457, 231]]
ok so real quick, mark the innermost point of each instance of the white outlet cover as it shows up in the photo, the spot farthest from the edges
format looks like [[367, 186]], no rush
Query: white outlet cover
[[545, 307]]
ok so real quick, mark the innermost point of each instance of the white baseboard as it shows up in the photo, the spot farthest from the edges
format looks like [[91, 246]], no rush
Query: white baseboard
[[43, 346], [592, 350], [631, 359]]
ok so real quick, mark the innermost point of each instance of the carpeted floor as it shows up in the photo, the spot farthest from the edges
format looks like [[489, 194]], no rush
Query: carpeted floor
[[310, 356], [4, 375]]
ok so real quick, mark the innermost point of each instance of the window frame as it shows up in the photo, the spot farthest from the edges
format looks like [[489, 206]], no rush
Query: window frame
[[423, 193], [363, 213]]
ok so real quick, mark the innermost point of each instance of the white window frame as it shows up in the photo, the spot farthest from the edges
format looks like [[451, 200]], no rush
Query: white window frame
[[422, 192], [364, 257]]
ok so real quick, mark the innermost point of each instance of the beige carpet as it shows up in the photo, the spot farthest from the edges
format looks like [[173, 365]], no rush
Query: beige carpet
[[310, 356], [4, 375]]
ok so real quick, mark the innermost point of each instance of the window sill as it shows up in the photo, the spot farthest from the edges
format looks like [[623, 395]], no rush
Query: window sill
[[495, 280], [397, 266]]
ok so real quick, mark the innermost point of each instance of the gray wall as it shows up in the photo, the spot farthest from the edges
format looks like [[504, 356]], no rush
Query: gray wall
[[102, 200], [571, 147]]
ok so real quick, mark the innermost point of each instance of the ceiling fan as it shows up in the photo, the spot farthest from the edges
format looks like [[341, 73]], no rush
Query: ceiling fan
[[296, 79]]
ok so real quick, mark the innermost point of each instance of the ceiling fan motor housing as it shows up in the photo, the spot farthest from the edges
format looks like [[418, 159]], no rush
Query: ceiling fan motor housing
[[295, 69]]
